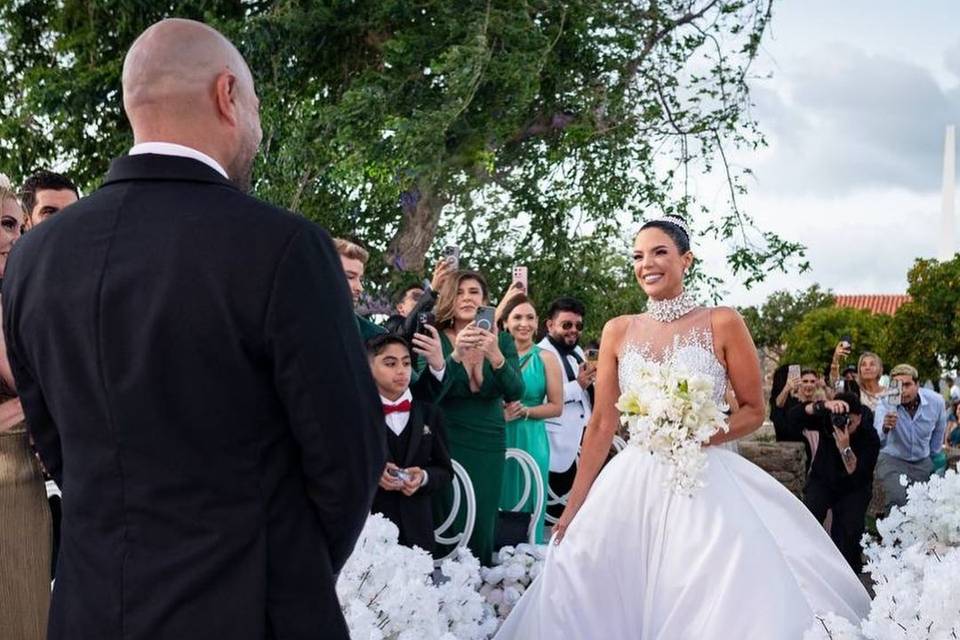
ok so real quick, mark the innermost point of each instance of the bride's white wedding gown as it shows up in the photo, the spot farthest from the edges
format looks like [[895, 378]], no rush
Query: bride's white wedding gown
[[740, 559]]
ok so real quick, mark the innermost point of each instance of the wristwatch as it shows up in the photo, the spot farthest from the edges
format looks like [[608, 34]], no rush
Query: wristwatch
[[847, 452]]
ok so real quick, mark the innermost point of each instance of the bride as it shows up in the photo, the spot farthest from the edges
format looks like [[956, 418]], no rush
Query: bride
[[741, 558]]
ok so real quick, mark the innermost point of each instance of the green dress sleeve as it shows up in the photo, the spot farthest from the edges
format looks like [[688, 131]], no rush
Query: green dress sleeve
[[368, 329], [508, 379], [425, 385]]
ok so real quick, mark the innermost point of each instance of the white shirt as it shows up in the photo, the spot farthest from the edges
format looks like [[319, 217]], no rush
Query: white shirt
[[397, 421], [173, 149]]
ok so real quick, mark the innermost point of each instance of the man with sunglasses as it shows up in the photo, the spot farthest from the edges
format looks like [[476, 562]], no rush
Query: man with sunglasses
[[564, 326]]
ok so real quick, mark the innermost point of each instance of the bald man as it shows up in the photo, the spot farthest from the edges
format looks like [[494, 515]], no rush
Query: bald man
[[192, 375]]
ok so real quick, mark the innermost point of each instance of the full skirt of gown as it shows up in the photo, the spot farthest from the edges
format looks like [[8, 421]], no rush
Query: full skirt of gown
[[740, 559]]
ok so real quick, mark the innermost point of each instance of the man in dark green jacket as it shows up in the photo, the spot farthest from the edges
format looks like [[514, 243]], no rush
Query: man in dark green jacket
[[354, 259]]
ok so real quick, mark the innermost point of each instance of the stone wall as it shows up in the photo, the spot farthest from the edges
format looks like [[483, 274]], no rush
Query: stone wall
[[785, 461]]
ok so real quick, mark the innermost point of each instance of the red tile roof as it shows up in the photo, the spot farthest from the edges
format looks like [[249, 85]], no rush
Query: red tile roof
[[884, 304]]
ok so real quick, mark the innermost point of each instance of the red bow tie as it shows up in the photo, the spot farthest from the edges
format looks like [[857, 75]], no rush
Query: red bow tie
[[400, 407]]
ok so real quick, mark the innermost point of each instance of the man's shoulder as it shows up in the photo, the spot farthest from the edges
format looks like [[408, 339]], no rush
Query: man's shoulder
[[546, 345], [932, 396]]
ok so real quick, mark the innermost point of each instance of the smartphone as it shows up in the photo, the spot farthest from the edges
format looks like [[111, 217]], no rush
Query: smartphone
[[894, 394], [451, 253], [424, 319], [520, 275], [793, 372], [485, 318], [399, 474], [847, 341], [592, 355]]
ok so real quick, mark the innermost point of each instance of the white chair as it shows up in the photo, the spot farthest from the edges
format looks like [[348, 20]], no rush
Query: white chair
[[553, 499], [462, 492], [52, 489], [531, 478]]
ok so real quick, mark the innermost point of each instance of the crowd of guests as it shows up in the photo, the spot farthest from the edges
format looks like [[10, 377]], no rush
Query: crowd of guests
[[861, 429], [454, 386]]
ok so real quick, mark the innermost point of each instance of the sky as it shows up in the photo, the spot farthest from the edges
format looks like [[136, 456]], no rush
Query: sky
[[854, 116]]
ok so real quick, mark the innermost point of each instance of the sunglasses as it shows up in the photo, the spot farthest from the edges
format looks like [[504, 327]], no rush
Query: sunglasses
[[569, 324]]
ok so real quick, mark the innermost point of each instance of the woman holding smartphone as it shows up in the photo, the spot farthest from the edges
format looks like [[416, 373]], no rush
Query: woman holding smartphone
[[542, 398], [484, 374]]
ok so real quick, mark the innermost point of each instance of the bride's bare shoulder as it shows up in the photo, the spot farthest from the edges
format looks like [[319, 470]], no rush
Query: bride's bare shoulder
[[726, 321], [614, 331], [725, 315], [616, 326]]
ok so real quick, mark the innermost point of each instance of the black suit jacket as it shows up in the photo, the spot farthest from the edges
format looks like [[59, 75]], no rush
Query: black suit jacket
[[189, 365], [427, 449]]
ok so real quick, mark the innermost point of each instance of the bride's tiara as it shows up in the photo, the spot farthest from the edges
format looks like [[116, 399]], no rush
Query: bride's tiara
[[675, 220]]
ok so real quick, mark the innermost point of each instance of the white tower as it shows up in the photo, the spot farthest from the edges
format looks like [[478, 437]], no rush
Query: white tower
[[947, 208]]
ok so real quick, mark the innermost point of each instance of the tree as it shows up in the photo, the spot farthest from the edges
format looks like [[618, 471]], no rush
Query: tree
[[781, 312], [926, 330], [523, 129], [811, 342]]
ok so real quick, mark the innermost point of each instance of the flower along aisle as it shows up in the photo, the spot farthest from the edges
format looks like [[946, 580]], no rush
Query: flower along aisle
[[916, 571], [516, 568], [387, 591]]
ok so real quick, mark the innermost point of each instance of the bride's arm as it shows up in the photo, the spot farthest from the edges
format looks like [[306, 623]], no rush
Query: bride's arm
[[743, 369], [603, 423]]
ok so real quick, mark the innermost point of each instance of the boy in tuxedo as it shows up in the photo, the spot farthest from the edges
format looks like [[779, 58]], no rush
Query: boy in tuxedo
[[417, 459]]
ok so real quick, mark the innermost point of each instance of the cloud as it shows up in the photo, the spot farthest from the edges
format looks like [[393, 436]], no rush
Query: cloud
[[840, 119], [951, 59], [864, 242]]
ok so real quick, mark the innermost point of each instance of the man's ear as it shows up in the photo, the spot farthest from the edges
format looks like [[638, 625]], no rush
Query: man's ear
[[226, 88]]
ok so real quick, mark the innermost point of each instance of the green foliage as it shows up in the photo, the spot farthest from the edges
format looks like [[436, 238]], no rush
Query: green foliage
[[926, 330], [542, 131], [811, 342], [781, 312]]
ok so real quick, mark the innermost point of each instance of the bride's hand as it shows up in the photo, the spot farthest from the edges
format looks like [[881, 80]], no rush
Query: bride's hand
[[560, 529]]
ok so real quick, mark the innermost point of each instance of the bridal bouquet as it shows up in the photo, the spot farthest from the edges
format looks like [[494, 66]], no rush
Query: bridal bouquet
[[671, 413]]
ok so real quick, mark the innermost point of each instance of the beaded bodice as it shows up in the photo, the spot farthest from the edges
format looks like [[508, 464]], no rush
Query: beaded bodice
[[687, 342]]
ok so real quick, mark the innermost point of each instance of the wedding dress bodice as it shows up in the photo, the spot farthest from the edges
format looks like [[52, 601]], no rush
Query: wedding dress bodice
[[687, 342]]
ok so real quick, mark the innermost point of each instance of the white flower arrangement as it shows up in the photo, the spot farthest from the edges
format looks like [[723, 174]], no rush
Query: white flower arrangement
[[671, 413], [915, 569], [516, 568], [387, 593]]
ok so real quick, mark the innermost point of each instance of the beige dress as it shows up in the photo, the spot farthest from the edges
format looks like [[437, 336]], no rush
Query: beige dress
[[25, 540]]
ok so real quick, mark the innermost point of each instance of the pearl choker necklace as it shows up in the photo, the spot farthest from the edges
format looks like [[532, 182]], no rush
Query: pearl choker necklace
[[672, 309]]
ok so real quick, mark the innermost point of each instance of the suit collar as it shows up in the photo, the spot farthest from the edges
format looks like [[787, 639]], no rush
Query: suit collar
[[151, 166]]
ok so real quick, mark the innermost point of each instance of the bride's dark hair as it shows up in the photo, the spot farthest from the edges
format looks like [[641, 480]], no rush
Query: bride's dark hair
[[676, 232]]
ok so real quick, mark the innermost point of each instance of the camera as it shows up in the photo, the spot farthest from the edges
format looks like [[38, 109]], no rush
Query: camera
[[840, 420]]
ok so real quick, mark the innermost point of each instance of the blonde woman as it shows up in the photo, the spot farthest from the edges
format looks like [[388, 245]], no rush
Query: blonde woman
[[25, 533], [869, 371]]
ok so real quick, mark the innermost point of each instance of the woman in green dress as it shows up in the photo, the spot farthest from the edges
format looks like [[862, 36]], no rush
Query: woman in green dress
[[542, 398], [481, 374]]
